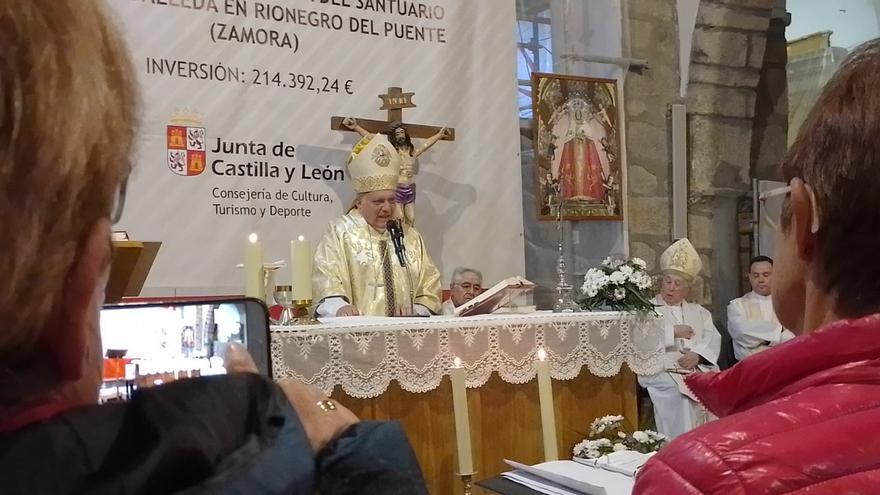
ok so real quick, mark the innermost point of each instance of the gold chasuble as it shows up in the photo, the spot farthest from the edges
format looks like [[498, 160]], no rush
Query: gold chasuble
[[349, 263], [358, 262]]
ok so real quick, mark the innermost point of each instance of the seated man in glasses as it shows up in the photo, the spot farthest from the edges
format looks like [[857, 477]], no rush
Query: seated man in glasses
[[751, 321], [466, 284]]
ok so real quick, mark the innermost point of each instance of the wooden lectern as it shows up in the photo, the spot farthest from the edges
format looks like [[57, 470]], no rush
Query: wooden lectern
[[132, 261]]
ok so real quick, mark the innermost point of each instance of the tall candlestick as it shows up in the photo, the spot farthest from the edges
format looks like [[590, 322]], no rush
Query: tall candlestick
[[253, 267], [301, 268], [462, 420], [548, 415]]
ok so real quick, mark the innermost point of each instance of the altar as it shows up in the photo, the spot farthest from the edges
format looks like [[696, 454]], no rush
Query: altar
[[395, 368]]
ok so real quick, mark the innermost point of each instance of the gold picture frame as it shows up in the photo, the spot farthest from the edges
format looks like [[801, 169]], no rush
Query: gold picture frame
[[577, 147]]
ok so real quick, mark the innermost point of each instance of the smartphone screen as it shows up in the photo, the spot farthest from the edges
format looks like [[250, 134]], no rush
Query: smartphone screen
[[145, 345]]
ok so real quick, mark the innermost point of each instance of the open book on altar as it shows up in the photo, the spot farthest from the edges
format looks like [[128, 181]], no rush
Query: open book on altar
[[569, 478], [627, 462], [495, 297]]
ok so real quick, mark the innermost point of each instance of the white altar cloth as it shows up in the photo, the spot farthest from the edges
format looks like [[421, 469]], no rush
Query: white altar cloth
[[362, 356]]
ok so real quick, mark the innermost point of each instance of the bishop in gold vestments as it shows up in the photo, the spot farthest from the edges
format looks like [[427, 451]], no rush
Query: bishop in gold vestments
[[355, 262]]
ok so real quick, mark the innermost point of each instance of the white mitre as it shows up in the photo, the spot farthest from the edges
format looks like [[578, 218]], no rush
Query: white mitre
[[681, 258], [374, 164]]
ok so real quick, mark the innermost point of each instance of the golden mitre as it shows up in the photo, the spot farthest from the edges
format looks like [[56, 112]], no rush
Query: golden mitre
[[374, 164], [682, 259]]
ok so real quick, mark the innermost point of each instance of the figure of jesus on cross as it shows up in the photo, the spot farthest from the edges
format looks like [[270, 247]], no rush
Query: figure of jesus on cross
[[400, 135]]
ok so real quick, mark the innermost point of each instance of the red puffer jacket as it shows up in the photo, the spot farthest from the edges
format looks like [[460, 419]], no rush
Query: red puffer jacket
[[803, 417]]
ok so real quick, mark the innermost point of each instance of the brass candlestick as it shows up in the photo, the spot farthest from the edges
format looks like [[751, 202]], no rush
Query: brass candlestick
[[467, 482], [296, 311], [302, 313]]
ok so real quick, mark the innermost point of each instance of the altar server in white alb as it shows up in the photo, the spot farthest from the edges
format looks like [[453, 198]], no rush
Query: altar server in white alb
[[692, 343], [751, 320]]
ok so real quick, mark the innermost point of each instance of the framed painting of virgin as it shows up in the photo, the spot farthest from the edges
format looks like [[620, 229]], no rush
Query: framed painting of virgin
[[577, 147]]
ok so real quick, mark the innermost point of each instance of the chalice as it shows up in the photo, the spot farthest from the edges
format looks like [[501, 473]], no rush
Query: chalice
[[284, 296]]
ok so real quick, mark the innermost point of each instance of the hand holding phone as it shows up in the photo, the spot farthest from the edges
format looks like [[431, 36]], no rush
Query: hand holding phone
[[147, 344], [323, 419]]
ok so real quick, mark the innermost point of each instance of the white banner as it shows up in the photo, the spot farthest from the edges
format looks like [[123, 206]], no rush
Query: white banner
[[237, 101]]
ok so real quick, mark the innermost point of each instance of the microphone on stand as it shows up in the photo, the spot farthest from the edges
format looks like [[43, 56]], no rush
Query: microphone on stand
[[396, 233], [395, 230]]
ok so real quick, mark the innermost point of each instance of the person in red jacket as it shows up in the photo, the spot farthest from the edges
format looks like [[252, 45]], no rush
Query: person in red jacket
[[804, 417]]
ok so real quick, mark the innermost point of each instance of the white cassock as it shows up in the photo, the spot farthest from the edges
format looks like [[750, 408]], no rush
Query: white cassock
[[753, 326], [676, 410]]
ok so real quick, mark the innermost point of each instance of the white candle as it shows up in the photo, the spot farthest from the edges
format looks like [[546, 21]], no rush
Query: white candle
[[253, 267], [301, 268], [545, 398], [462, 421]]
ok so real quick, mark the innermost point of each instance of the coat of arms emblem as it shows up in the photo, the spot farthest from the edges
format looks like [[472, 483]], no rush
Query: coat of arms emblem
[[186, 139]]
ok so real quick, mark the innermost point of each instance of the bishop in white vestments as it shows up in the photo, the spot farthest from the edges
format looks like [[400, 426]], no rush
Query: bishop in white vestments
[[692, 343], [751, 321], [356, 269]]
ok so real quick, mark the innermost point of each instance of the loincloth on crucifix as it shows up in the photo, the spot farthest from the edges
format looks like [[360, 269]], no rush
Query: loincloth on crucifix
[[400, 135]]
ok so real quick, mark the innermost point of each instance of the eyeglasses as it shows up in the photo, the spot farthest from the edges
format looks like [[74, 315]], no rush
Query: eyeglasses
[[468, 287], [772, 203], [119, 202]]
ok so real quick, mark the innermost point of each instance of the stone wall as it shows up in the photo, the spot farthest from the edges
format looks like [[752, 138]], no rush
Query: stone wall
[[770, 127], [648, 94], [737, 112], [727, 64], [770, 131], [586, 243]]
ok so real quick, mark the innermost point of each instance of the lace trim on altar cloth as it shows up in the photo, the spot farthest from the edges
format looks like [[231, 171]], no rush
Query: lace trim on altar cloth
[[363, 358]]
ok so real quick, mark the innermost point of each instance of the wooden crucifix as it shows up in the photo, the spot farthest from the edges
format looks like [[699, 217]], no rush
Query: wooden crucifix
[[394, 102]]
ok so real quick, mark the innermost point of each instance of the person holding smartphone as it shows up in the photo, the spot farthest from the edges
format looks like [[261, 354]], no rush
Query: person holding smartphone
[[67, 123]]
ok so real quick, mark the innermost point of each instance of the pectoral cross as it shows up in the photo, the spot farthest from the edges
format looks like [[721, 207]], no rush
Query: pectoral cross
[[394, 102]]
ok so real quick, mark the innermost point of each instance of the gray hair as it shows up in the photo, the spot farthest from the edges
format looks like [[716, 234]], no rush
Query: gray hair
[[458, 272]]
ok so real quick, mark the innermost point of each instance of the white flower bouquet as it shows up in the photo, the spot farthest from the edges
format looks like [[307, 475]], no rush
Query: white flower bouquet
[[607, 436], [618, 285]]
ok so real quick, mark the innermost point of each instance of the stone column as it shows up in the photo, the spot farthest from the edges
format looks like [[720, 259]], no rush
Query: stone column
[[726, 64], [648, 94]]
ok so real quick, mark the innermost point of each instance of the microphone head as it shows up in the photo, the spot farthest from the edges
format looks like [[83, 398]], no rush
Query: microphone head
[[396, 233]]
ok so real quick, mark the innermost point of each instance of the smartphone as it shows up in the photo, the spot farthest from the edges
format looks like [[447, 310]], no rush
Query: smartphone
[[147, 344]]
